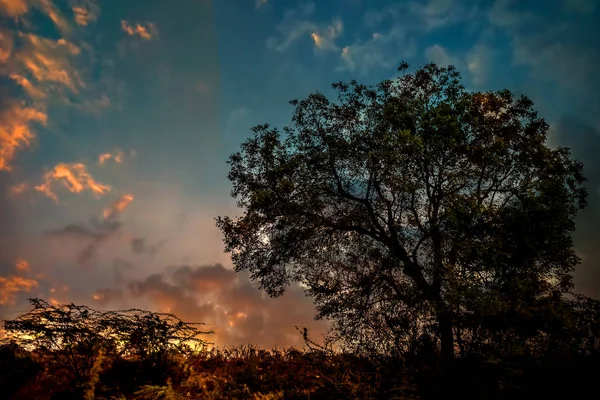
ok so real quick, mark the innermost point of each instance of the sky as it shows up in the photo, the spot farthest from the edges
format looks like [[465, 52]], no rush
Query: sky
[[117, 118]]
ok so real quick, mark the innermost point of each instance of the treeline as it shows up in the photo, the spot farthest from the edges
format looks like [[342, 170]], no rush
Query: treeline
[[74, 352]]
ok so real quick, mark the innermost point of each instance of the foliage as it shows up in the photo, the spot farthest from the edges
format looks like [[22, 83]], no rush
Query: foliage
[[75, 336], [417, 214], [249, 372]]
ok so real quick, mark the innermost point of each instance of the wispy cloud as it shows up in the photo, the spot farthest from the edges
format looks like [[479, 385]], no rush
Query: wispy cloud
[[48, 7], [13, 8], [439, 55], [140, 246], [118, 206], [298, 24], [93, 237], [146, 31], [72, 176], [48, 61], [19, 188], [479, 63], [11, 285], [116, 156], [381, 50], [325, 39], [261, 3], [29, 88], [228, 302], [384, 48], [22, 265], [85, 11], [16, 131]]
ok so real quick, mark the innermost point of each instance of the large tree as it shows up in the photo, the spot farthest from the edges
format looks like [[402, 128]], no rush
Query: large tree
[[410, 209]]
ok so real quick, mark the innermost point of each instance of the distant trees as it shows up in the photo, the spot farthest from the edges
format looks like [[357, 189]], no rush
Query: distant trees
[[74, 336], [415, 212]]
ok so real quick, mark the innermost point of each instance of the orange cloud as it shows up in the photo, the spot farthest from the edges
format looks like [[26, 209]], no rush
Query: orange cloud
[[22, 265], [47, 61], [29, 87], [118, 206], [74, 177], [19, 188], [12, 285], [55, 16], [325, 40], [117, 156], [85, 12], [13, 8], [146, 32], [229, 303], [6, 45], [16, 132]]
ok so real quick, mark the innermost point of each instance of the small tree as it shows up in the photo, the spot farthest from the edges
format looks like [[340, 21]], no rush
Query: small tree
[[74, 335], [410, 208]]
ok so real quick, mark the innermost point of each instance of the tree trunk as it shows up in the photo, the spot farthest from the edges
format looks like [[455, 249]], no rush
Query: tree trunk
[[446, 339]]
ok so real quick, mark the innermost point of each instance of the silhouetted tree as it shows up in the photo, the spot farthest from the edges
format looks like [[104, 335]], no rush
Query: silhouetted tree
[[74, 335], [411, 209]]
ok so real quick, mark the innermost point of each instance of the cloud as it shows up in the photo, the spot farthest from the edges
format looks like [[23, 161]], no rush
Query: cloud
[[437, 13], [117, 157], [97, 233], [502, 15], [140, 246], [33, 91], [384, 48], [558, 52], [95, 106], [104, 296], [380, 51], [120, 268], [16, 130], [19, 188], [11, 285], [22, 265], [6, 46], [13, 8], [439, 55], [72, 176], [479, 63], [93, 237], [261, 3], [569, 64], [48, 62], [325, 39], [295, 25], [85, 12], [146, 31], [18, 8], [118, 206], [45, 71], [230, 304]]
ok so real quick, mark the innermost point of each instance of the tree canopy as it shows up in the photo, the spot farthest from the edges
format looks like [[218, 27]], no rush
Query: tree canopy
[[413, 211]]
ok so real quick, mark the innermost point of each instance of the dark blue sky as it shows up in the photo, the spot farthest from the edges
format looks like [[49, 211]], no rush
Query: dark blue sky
[[117, 117]]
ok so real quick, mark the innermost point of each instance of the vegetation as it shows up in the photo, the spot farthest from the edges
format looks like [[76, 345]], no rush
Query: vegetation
[[315, 372], [432, 225]]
